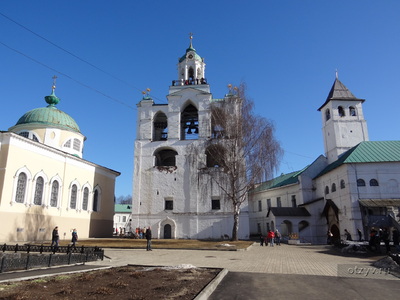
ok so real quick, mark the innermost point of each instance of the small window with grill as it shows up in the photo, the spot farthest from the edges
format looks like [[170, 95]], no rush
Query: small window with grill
[[24, 134], [169, 204], [373, 182], [77, 145], [215, 204], [342, 184], [360, 182]]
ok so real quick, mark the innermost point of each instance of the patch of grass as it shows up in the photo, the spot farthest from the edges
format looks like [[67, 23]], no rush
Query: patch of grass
[[40, 280], [127, 243]]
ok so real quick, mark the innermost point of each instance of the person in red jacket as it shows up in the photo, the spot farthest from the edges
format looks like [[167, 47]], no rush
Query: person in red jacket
[[271, 237]]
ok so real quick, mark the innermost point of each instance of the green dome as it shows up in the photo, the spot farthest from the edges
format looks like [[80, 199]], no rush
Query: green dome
[[49, 116]]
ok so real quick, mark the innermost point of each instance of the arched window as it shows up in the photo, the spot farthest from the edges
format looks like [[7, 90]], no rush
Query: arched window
[[360, 182], [85, 200], [215, 156], [218, 122], [68, 144], [341, 111], [352, 111], [373, 182], [342, 184], [29, 135], [74, 192], [95, 200], [327, 114], [37, 199], [21, 188], [191, 75], [74, 144], [189, 123], [160, 127], [54, 193], [165, 158], [333, 189], [326, 190], [77, 145]]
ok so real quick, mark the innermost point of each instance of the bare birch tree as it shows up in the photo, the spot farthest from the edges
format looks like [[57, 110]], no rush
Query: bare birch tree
[[242, 150]]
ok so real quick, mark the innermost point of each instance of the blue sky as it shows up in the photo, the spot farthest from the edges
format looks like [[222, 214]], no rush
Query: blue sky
[[286, 51]]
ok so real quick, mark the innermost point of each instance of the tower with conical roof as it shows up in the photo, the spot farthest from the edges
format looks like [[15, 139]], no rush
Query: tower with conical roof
[[343, 123]]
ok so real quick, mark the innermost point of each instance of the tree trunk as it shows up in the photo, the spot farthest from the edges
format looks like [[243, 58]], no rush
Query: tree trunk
[[235, 222]]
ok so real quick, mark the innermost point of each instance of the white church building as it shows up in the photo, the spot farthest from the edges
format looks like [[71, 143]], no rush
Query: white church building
[[45, 182], [170, 193], [354, 186]]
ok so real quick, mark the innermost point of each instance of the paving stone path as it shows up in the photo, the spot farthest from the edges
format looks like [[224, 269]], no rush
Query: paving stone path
[[284, 259]]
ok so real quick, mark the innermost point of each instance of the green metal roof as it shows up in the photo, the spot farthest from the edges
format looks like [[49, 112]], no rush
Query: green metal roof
[[284, 179], [123, 208], [289, 212], [196, 56], [367, 152], [49, 116]]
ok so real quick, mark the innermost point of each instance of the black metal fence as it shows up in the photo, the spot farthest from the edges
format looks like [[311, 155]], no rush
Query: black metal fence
[[20, 257]]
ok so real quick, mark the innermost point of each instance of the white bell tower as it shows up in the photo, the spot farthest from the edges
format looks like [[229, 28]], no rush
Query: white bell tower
[[191, 68], [343, 123]]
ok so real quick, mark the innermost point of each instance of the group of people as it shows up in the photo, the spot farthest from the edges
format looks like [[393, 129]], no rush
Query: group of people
[[271, 238], [379, 235], [55, 239], [376, 237]]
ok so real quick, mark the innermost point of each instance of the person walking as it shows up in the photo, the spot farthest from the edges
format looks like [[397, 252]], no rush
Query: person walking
[[148, 238], [277, 237], [55, 237], [348, 235], [359, 235], [329, 236], [261, 240], [386, 239], [271, 237], [396, 238], [74, 238]]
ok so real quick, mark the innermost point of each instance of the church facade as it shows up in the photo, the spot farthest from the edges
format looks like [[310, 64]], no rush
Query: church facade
[[171, 194], [354, 186], [44, 182]]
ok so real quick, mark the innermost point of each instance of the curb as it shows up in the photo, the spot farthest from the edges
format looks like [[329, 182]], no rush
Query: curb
[[210, 288]]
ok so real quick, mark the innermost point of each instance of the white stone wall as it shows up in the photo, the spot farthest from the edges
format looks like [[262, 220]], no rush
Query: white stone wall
[[190, 190], [29, 222], [342, 132]]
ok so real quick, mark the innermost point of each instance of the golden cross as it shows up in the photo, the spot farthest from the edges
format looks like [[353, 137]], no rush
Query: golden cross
[[54, 81]]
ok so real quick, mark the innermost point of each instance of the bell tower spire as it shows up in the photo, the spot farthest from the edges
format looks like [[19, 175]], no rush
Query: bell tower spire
[[191, 67], [343, 122]]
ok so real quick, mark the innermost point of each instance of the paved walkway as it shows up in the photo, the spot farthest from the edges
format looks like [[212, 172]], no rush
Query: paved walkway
[[285, 259], [285, 272]]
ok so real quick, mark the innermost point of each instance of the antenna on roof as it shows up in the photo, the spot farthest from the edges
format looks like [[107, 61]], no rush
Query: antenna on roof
[[337, 74]]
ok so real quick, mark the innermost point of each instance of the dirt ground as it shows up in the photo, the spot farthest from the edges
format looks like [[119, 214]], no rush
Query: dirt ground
[[130, 282]]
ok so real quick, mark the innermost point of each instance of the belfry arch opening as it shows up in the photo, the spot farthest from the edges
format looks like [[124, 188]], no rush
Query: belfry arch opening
[[165, 158], [191, 74], [215, 156], [190, 123], [160, 127]]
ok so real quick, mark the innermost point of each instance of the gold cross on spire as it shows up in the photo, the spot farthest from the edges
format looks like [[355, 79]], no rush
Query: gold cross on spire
[[54, 82], [191, 38]]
